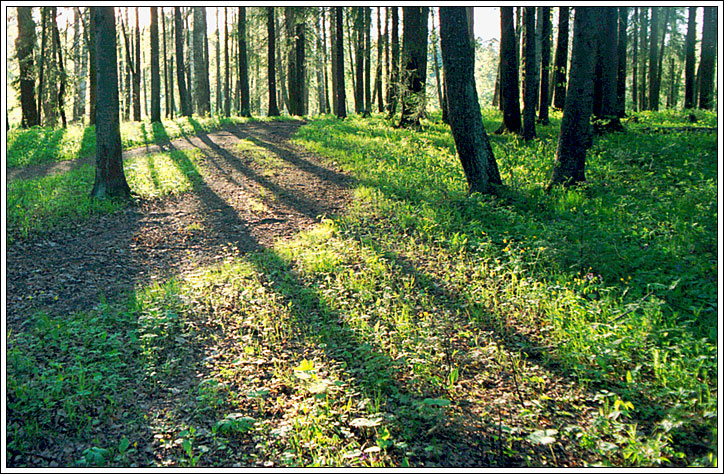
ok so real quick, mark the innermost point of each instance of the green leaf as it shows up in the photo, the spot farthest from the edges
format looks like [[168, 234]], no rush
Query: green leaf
[[123, 445], [441, 402]]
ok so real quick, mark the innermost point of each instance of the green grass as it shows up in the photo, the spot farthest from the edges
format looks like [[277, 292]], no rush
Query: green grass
[[43, 145], [40, 204], [573, 327]]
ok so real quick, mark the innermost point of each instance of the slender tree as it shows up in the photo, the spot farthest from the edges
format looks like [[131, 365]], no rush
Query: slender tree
[[341, 110], [271, 70], [218, 101], [324, 107], [438, 80], [155, 69], [110, 180], [359, 60], [690, 67], [634, 61], [137, 72], [509, 74], [201, 75], [708, 53], [59, 95], [92, 77], [414, 62], [368, 59], [621, 55], [606, 107], [545, 63], [643, 44], [378, 69], [167, 81], [393, 86], [184, 95], [561, 61], [243, 76], [471, 141], [78, 60], [576, 135], [24, 45], [653, 103], [529, 73]]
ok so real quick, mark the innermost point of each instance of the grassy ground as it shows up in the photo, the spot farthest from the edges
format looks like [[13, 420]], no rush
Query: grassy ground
[[423, 327]]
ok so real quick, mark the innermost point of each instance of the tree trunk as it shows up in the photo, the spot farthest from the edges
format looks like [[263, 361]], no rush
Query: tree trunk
[[529, 73], [545, 64], [110, 180], [341, 110], [466, 124], [576, 135], [378, 70], [708, 53], [189, 60], [137, 73], [77, 61], [167, 82], [438, 79], [393, 87], [271, 70], [218, 102], [643, 44], [24, 45], [653, 60], [201, 76], [690, 67], [662, 44], [634, 62], [324, 104], [333, 54], [359, 60], [243, 80], [180, 70], [621, 55], [368, 59], [561, 61], [509, 74], [155, 69], [607, 56], [227, 79], [414, 62]]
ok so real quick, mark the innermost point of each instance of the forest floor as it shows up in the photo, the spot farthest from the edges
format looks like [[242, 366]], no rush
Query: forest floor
[[231, 211], [280, 311]]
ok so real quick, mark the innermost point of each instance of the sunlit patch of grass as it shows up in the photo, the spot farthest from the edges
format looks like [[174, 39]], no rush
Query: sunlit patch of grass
[[39, 204]]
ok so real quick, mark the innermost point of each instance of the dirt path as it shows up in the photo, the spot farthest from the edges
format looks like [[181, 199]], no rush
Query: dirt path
[[241, 204]]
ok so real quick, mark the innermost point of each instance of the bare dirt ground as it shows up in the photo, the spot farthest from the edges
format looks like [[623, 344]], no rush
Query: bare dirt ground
[[239, 206]]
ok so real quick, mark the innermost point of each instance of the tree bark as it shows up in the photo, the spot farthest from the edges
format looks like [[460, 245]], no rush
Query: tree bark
[[333, 54], [155, 69], [608, 63], [92, 77], [653, 61], [529, 73], [545, 64], [708, 53], [167, 81], [643, 43], [634, 62], [359, 60], [576, 135], [24, 45], [324, 106], [438, 79], [271, 70], [509, 74], [341, 110], [621, 55], [471, 141], [561, 61], [110, 181], [368, 59], [201, 75], [41, 66], [219, 93], [137, 73], [690, 67], [393, 87], [378, 70], [414, 60], [184, 95], [244, 107]]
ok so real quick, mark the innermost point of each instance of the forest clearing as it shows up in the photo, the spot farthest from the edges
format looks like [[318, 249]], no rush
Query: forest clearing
[[226, 285]]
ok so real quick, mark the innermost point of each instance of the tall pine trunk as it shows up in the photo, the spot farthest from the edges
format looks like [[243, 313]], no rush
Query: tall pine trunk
[[471, 141], [634, 62], [24, 45], [509, 74], [561, 61], [576, 136], [690, 67], [394, 83], [341, 110], [413, 65], [621, 54], [273, 110], [155, 69], [545, 63], [183, 92], [529, 73], [708, 53], [243, 76], [653, 60]]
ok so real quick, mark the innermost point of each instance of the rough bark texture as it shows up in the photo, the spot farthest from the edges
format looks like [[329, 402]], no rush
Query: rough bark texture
[[653, 103], [227, 70], [137, 73], [471, 141], [368, 60], [341, 107], [708, 52], [201, 74], [509, 73], [608, 64], [414, 65], [110, 180], [378, 70], [643, 43], [576, 135], [61, 70], [244, 108], [167, 81], [545, 63], [529, 74], [180, 70], [92, 77], [634, 62], [621, 55], [271, 66], [155, 69], [24, 45], [438, 79], [359, 60], [393, 87], [690, 67]]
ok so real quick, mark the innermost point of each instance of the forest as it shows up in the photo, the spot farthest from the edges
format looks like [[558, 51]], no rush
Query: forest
[[353, 236]]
